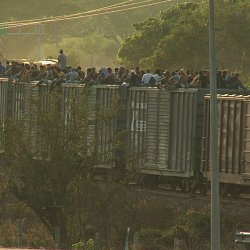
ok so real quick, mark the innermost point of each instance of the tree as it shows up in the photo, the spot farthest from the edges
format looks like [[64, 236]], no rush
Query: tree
[[194, 229], [179, 38], [110, 28], [51, 148]]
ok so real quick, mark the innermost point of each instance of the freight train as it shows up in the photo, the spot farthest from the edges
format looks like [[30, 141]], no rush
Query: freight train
[[163, 134]]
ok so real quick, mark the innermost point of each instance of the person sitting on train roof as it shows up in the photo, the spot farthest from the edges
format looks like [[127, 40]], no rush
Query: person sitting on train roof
[[174, 79], [94, 74], [110, 77], [236, 83], [7, 66], [19, 72], [49, 73], [147, 78], [224, 77], [80, 72], [46, 75], [221, 82], [121, 71], [135, 79], [42, 73], [163, 82], [88, 76], [13, 69], [183, 78], [59, 78], [194, 79], [25, 73], [116, 72], [2, 69], [101, 75], [34, 73], [157, 75], [203, 79], [125, 77], [72, 76]]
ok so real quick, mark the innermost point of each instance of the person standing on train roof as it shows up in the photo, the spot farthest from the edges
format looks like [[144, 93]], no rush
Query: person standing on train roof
[[62, 61]]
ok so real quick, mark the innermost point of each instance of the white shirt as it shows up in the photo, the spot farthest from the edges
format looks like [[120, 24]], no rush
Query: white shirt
[[156, 77], [146, 78]]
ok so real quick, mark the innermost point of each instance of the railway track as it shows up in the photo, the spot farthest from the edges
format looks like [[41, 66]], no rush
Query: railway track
[[162, 191], [177, 196]]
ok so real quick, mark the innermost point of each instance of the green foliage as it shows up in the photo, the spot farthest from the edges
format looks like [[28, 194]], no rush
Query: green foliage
[[93, 49], [193, 228], [44, 165], [78, 246], [51, 150], [151, 239], [165, 42], [34, 234], [110, 28], [179, 38], [8, 233], [89, 245]]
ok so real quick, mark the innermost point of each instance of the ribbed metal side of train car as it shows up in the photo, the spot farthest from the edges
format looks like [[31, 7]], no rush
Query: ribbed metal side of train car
[[246, 144], [71, 92], [233, 142], [5, 99], [77, 99], [148, 110], [27, 99], [35, 110], [100, 104], [162, 126], [165, 133], [106, 124]]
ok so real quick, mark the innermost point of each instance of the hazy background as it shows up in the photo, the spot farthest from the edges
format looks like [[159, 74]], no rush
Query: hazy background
[[90, 41]]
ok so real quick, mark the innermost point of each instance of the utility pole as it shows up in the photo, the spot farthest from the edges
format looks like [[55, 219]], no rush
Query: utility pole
[[38, 31], [214, 163], [97, 241], [57, 36], [126, 241], [20, 234]]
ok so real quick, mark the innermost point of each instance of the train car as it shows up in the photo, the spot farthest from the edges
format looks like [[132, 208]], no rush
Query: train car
[[154, 134], [77, 103], [233, 143], [165, 135], [22, 107], [162, 133], [107, 109], [101, 105]]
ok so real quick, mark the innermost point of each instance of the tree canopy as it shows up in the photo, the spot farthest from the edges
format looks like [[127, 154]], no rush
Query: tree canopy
[[103, 34], [178, 37]]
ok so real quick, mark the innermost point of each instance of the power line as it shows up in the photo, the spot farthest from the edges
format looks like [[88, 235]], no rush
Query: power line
[[73, 16], [62, 16], [100, 11]]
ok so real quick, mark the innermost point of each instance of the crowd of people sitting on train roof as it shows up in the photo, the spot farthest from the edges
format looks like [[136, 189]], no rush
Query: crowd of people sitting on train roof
[[54, 74]]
